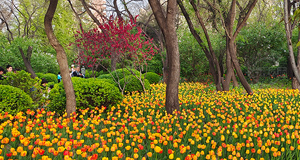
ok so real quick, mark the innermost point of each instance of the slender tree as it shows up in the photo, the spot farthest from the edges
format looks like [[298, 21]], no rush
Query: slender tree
[[61, 59], [288, 6], [232, 25]]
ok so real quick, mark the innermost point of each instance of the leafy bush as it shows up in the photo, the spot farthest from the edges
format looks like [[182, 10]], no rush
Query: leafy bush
[[134, 84], [50, 77], [119, 74], [32, 87], [13, 100], [152, 77], [40, 75], [90, 74], [105, 76], [90, 93]]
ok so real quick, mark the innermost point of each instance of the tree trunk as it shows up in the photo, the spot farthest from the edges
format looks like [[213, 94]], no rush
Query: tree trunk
[[295, 84], [26, 60], [167, 25], [288, 32], [234, 81], [238, 68], [229, 67], [209, 52], [61, 59], [165, 70]]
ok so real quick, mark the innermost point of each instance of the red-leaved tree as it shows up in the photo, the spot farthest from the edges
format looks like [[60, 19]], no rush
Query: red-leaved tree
[[120, 41]]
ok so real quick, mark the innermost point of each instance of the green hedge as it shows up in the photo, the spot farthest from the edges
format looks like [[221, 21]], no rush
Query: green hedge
[[40, 75], [30, 86], [152, 77], [90, 93], [50, 77], [134, 84], [14, 100]]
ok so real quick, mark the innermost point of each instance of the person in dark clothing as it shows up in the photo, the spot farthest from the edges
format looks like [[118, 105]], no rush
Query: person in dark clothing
[[77, 73], [1, 73], [44, 83], [9, 68]]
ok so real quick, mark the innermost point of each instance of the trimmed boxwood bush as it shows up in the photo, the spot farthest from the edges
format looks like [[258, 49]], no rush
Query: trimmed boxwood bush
[[152, 77], [134, 84], [13, 100], [90, 93], [105, 76], [40, 75], [50, 77]]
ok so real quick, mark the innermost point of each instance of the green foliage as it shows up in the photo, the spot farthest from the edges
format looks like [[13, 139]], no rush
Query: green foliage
[[40, 75], [90, 93], [260, 47], [134, 84], [32, 87], [105, 76], [50, 77], [155, 65], [152, 77], [119, 74], [13, 100], [193, 62], [40, 61]]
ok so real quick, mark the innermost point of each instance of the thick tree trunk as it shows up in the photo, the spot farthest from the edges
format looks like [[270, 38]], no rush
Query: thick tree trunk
[[172, 102], [165, 70], [167, 25], [61, 59], [26, 60]]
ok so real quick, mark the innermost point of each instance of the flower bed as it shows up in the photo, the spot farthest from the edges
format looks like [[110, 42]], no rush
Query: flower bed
[[210, 125]]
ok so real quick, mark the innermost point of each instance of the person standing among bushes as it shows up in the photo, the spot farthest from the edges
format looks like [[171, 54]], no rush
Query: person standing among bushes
[[77, 73], [9, 68], [83, 72], [1, 73], [72, 70], [59, 77]]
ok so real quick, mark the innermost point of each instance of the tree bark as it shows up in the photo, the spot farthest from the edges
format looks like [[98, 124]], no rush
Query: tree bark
[[288, 32], [113, 62], [295, 84], [61, 59], [26, 60], [167, 25]]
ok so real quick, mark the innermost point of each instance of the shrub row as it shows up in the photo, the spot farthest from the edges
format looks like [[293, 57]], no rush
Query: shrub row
[[19, 92], [89, 94]]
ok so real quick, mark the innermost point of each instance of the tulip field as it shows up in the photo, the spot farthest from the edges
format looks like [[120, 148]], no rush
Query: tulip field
[[209, 125]]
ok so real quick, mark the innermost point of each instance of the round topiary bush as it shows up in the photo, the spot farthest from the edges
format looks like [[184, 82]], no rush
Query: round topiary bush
[[90, 93], [14, 100], [50, 77], [40, 75], [105, 76], [152, 77], [134, 84]]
